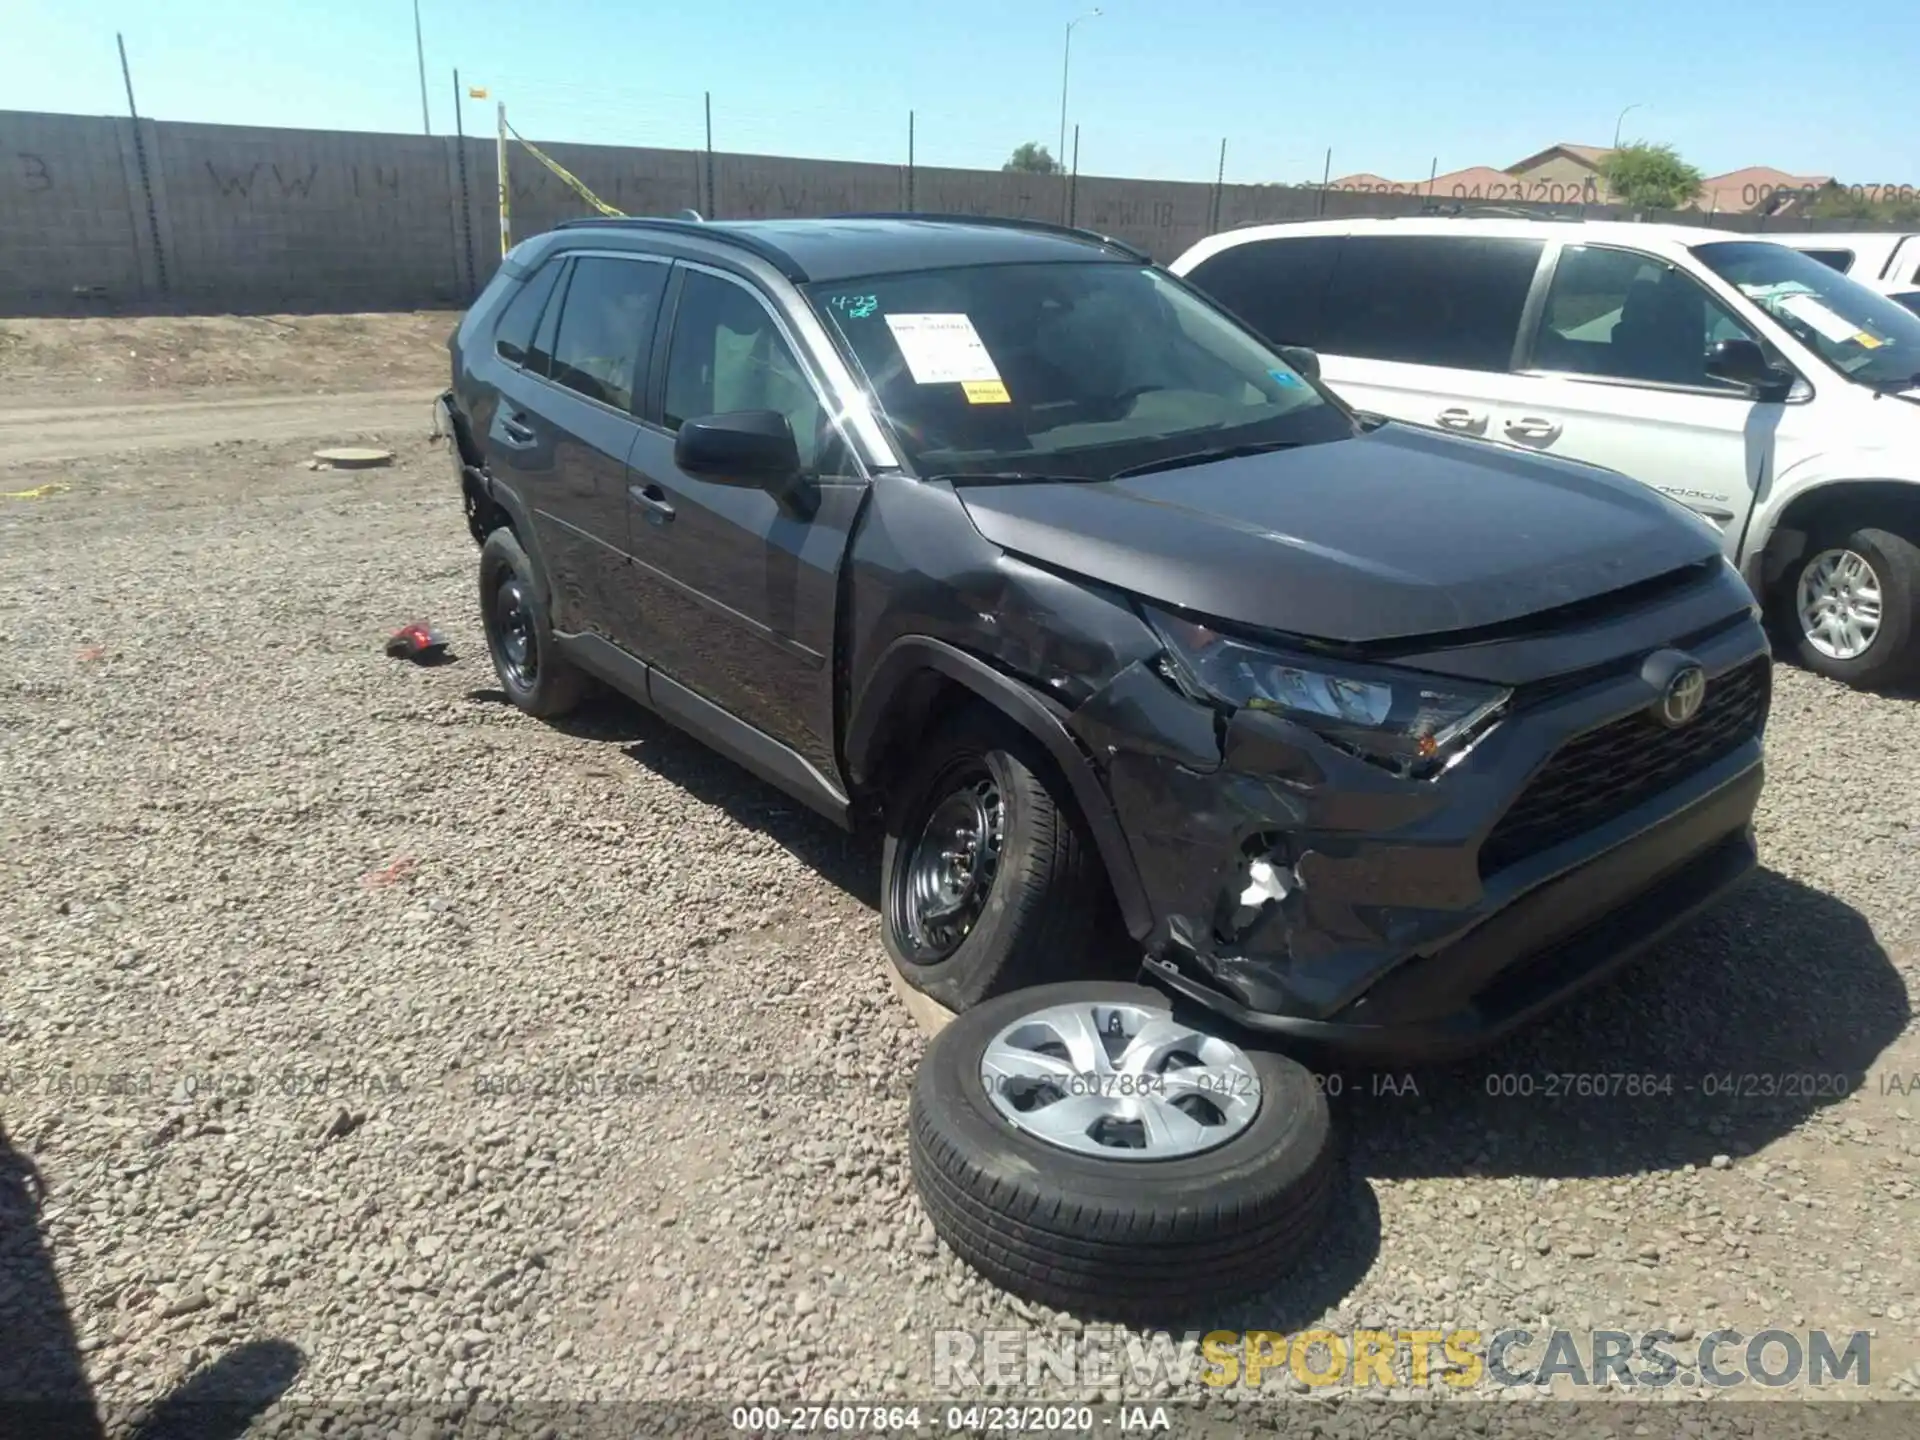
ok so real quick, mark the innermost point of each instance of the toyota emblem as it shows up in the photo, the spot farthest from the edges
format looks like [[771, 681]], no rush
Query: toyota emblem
[[1680, 701]]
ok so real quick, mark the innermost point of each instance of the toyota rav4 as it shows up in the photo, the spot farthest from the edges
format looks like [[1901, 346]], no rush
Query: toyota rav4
[[1368, 736]]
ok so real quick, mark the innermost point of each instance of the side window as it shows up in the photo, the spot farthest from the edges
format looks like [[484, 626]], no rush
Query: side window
[[1276, 286], [1840, 260], [1905, 265], [1450, 300], [513, 335], [728, 354], [540, 354], [606, 325], [1629, 316]]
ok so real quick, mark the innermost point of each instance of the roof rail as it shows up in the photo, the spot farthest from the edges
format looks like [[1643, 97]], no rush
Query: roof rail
[[1498, 212], [1005, 222], [705, 230]]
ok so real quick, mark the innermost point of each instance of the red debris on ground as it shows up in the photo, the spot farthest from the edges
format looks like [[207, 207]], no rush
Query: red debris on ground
[[391, 874]]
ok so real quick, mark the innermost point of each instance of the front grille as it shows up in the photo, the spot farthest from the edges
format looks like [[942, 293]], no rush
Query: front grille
[[1626, 762]]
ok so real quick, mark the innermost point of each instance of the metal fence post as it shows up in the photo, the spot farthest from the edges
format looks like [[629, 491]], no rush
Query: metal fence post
[[146, 173], [713, 200], [1073, 180], [460, 160]]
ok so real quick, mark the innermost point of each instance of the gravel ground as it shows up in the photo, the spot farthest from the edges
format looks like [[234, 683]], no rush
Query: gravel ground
[[345, 1009]]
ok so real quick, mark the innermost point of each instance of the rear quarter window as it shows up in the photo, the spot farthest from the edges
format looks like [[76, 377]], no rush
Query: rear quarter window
[[1276, 286], [1445, 300], [513, 335]]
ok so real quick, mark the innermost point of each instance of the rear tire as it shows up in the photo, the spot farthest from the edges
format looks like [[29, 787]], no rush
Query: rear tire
[[1092, 1229], [537, 678], [1848, 579], [1030, 905]]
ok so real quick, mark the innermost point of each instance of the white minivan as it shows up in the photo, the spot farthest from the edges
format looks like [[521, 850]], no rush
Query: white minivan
[[1759, 387], [1887, 260]]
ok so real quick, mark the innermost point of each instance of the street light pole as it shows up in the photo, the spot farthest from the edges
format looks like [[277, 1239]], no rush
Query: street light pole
[[1066, 60], [1617, 124]]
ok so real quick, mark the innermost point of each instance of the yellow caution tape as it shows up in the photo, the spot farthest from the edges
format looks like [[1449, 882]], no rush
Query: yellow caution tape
[[39, 492], [581, 190]]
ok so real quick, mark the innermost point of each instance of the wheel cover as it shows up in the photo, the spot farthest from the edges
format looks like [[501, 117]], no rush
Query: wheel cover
[[1120, 1081], [952, 867], [1838, 602], [513, 630]]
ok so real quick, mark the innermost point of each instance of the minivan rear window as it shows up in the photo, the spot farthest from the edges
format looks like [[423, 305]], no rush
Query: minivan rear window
[[1446, 300], [1276, 286]]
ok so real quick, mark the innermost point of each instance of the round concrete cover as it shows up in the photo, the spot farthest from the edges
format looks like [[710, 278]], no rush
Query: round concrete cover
[[354, 457]]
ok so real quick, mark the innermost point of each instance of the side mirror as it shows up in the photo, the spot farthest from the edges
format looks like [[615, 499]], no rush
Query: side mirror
[[1743, 362], [1305, 361], [753, 449]]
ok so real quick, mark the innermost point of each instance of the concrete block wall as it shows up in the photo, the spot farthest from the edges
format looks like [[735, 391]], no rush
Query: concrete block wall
[[319, 217], [72, 213], [249, 218]]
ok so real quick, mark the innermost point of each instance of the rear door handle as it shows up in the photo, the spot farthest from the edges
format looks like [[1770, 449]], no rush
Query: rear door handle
[[1533, 427], [517, 431], [1458, 417], [652, 499]]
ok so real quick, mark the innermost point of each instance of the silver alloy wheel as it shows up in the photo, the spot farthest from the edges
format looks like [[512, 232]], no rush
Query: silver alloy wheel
[[1839, 604], [1120, 1081]]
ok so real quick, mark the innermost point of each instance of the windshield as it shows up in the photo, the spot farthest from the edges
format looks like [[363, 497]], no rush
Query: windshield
[[1072, 370], [1858, 331]]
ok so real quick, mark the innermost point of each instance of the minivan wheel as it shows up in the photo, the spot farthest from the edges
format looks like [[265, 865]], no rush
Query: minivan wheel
[[987, 883], [1850, 605], [1082, 1146], [533, 673]]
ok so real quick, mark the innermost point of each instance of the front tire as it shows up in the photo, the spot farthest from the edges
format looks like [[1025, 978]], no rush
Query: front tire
[[1048, 1160], [1847, 606], [987, 883], [536, 677]]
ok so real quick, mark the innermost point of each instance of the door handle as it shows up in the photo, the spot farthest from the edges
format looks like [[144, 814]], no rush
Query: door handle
[[1533, 427], [653, 499], [517, 431], [1458, 417]]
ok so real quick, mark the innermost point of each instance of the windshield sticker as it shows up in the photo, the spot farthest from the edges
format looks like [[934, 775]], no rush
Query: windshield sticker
[[1868, 342], [1778, 290], [1824, 322], [855, 307], [942, 349], [985, 392], [1286, 377]]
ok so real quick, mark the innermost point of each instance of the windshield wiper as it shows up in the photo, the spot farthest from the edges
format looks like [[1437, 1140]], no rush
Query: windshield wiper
[[1205, 457], [1889, 387]]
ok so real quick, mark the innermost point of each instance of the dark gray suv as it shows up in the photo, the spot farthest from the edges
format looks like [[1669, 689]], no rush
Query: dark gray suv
[[1363, 735]]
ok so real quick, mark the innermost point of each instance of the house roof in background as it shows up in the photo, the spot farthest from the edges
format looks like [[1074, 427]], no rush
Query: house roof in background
[[1491, 183], [1755, 186], [1589, 155]]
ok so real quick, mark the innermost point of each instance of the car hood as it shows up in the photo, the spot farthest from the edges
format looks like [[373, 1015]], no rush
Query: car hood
[[1398, 532]]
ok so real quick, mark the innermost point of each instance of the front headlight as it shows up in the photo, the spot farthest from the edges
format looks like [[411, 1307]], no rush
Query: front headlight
[[1413, 725]]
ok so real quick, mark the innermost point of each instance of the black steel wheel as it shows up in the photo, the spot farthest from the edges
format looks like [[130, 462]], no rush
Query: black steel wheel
[[988, 883], [533, 673]]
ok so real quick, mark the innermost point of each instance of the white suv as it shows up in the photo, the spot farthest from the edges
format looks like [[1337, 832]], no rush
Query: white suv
[[1752, 383]]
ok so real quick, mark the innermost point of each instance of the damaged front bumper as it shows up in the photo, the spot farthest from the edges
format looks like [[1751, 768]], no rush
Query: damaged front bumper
[[1299, 890]]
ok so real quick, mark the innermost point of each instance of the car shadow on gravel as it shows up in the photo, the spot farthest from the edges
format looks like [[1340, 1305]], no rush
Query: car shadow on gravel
[[44, 1390], [851, 862], [1770, 1008]]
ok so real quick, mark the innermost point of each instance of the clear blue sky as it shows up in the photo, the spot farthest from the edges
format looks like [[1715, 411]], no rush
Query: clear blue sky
[[1391, 86]]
